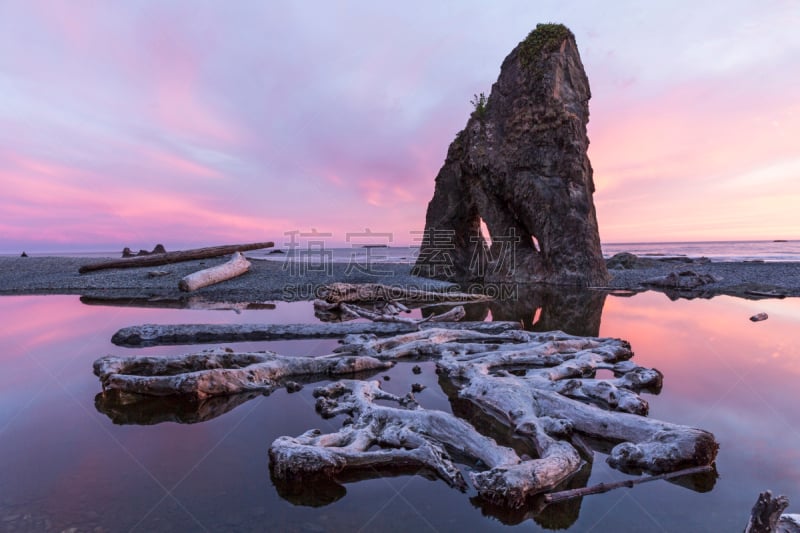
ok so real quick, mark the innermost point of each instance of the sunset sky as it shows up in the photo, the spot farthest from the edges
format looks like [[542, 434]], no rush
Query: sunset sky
[[196, 123]]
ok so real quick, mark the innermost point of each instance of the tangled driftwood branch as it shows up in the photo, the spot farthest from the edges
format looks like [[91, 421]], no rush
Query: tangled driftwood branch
[[219, 372], [405, 435], [542, 386], [372, 292]]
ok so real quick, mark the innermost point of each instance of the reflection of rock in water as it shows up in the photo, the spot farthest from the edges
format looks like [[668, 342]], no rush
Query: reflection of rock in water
[[125, 408], [571, 310]]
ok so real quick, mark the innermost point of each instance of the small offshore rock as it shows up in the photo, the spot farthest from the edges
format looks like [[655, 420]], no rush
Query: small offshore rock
[[626, 261], [293, 386], [417, 387], [759, 317], [687, 279], [416, 369], [23, 254], [386, 378]]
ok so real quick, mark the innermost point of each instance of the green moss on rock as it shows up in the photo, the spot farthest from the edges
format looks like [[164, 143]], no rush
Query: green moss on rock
[[544, 39]]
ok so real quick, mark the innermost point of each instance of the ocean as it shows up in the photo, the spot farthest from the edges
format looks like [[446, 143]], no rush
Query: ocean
[[768, 251]]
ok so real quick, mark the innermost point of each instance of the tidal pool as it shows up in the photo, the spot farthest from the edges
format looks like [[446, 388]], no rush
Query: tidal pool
[[70, 459]]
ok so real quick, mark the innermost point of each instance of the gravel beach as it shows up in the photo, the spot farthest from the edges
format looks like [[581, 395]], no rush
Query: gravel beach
[[277, 280]]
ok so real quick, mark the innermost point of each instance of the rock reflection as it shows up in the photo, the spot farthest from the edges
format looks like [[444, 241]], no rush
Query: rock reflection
[[539, 308]]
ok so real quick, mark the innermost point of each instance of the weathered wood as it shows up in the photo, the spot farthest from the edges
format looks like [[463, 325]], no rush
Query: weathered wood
[[600, 488], [766, 516], [371, 292], [382, 435], [218, 372], [541, 386], [174, 257], [237, 266], [167, 334], [392, 314]]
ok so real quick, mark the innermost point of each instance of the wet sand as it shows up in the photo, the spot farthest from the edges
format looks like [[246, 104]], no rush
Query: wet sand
[[279, 280]]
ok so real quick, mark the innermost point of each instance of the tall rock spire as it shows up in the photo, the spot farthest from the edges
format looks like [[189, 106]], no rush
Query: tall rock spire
[[520, 165]]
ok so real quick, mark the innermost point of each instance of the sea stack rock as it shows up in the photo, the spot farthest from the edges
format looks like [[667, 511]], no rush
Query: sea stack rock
[[520, 165]]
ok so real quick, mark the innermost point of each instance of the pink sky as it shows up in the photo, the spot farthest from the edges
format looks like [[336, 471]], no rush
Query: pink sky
[[193, 123]]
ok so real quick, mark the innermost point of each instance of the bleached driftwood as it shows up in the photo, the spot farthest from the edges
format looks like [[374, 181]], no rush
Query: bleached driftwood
[[371, 292], [386, 312], [219, 372], [166, 334], [406, 435], [767, 516], [237, 266], [174, 257], [539, 385]]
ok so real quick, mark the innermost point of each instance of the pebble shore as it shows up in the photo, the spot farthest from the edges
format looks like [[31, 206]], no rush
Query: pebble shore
[[278, 280]]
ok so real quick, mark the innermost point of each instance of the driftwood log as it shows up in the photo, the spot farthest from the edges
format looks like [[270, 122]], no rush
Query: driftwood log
[[219, 372], [406, 435], [237, 266], [541, 386], [167, 334], [174, 257], [372, 292], [767, 516]]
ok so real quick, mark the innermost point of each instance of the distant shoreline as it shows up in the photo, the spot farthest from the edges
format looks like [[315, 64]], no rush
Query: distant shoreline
[[281, 280]]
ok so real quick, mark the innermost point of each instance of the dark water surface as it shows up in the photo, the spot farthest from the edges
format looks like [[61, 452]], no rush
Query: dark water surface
[[65, 463]]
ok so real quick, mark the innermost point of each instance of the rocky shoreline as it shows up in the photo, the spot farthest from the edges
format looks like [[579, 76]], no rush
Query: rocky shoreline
[[278, 280]]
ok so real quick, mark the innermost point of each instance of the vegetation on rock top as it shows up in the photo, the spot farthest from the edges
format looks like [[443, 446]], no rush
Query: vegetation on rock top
[[544, 39]]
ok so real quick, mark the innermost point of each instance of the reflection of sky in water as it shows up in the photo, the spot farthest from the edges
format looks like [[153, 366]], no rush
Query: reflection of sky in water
[[63, 462]]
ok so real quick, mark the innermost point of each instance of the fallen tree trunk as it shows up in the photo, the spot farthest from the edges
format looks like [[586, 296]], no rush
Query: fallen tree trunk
[[237, 266], [174, 257], [219, 372], [372, 292], [167, 334]]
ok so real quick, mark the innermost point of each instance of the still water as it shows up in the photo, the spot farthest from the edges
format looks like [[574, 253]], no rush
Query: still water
[[64, 463]]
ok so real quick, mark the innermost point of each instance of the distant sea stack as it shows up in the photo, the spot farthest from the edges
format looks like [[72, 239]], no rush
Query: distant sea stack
[[520, 165]]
